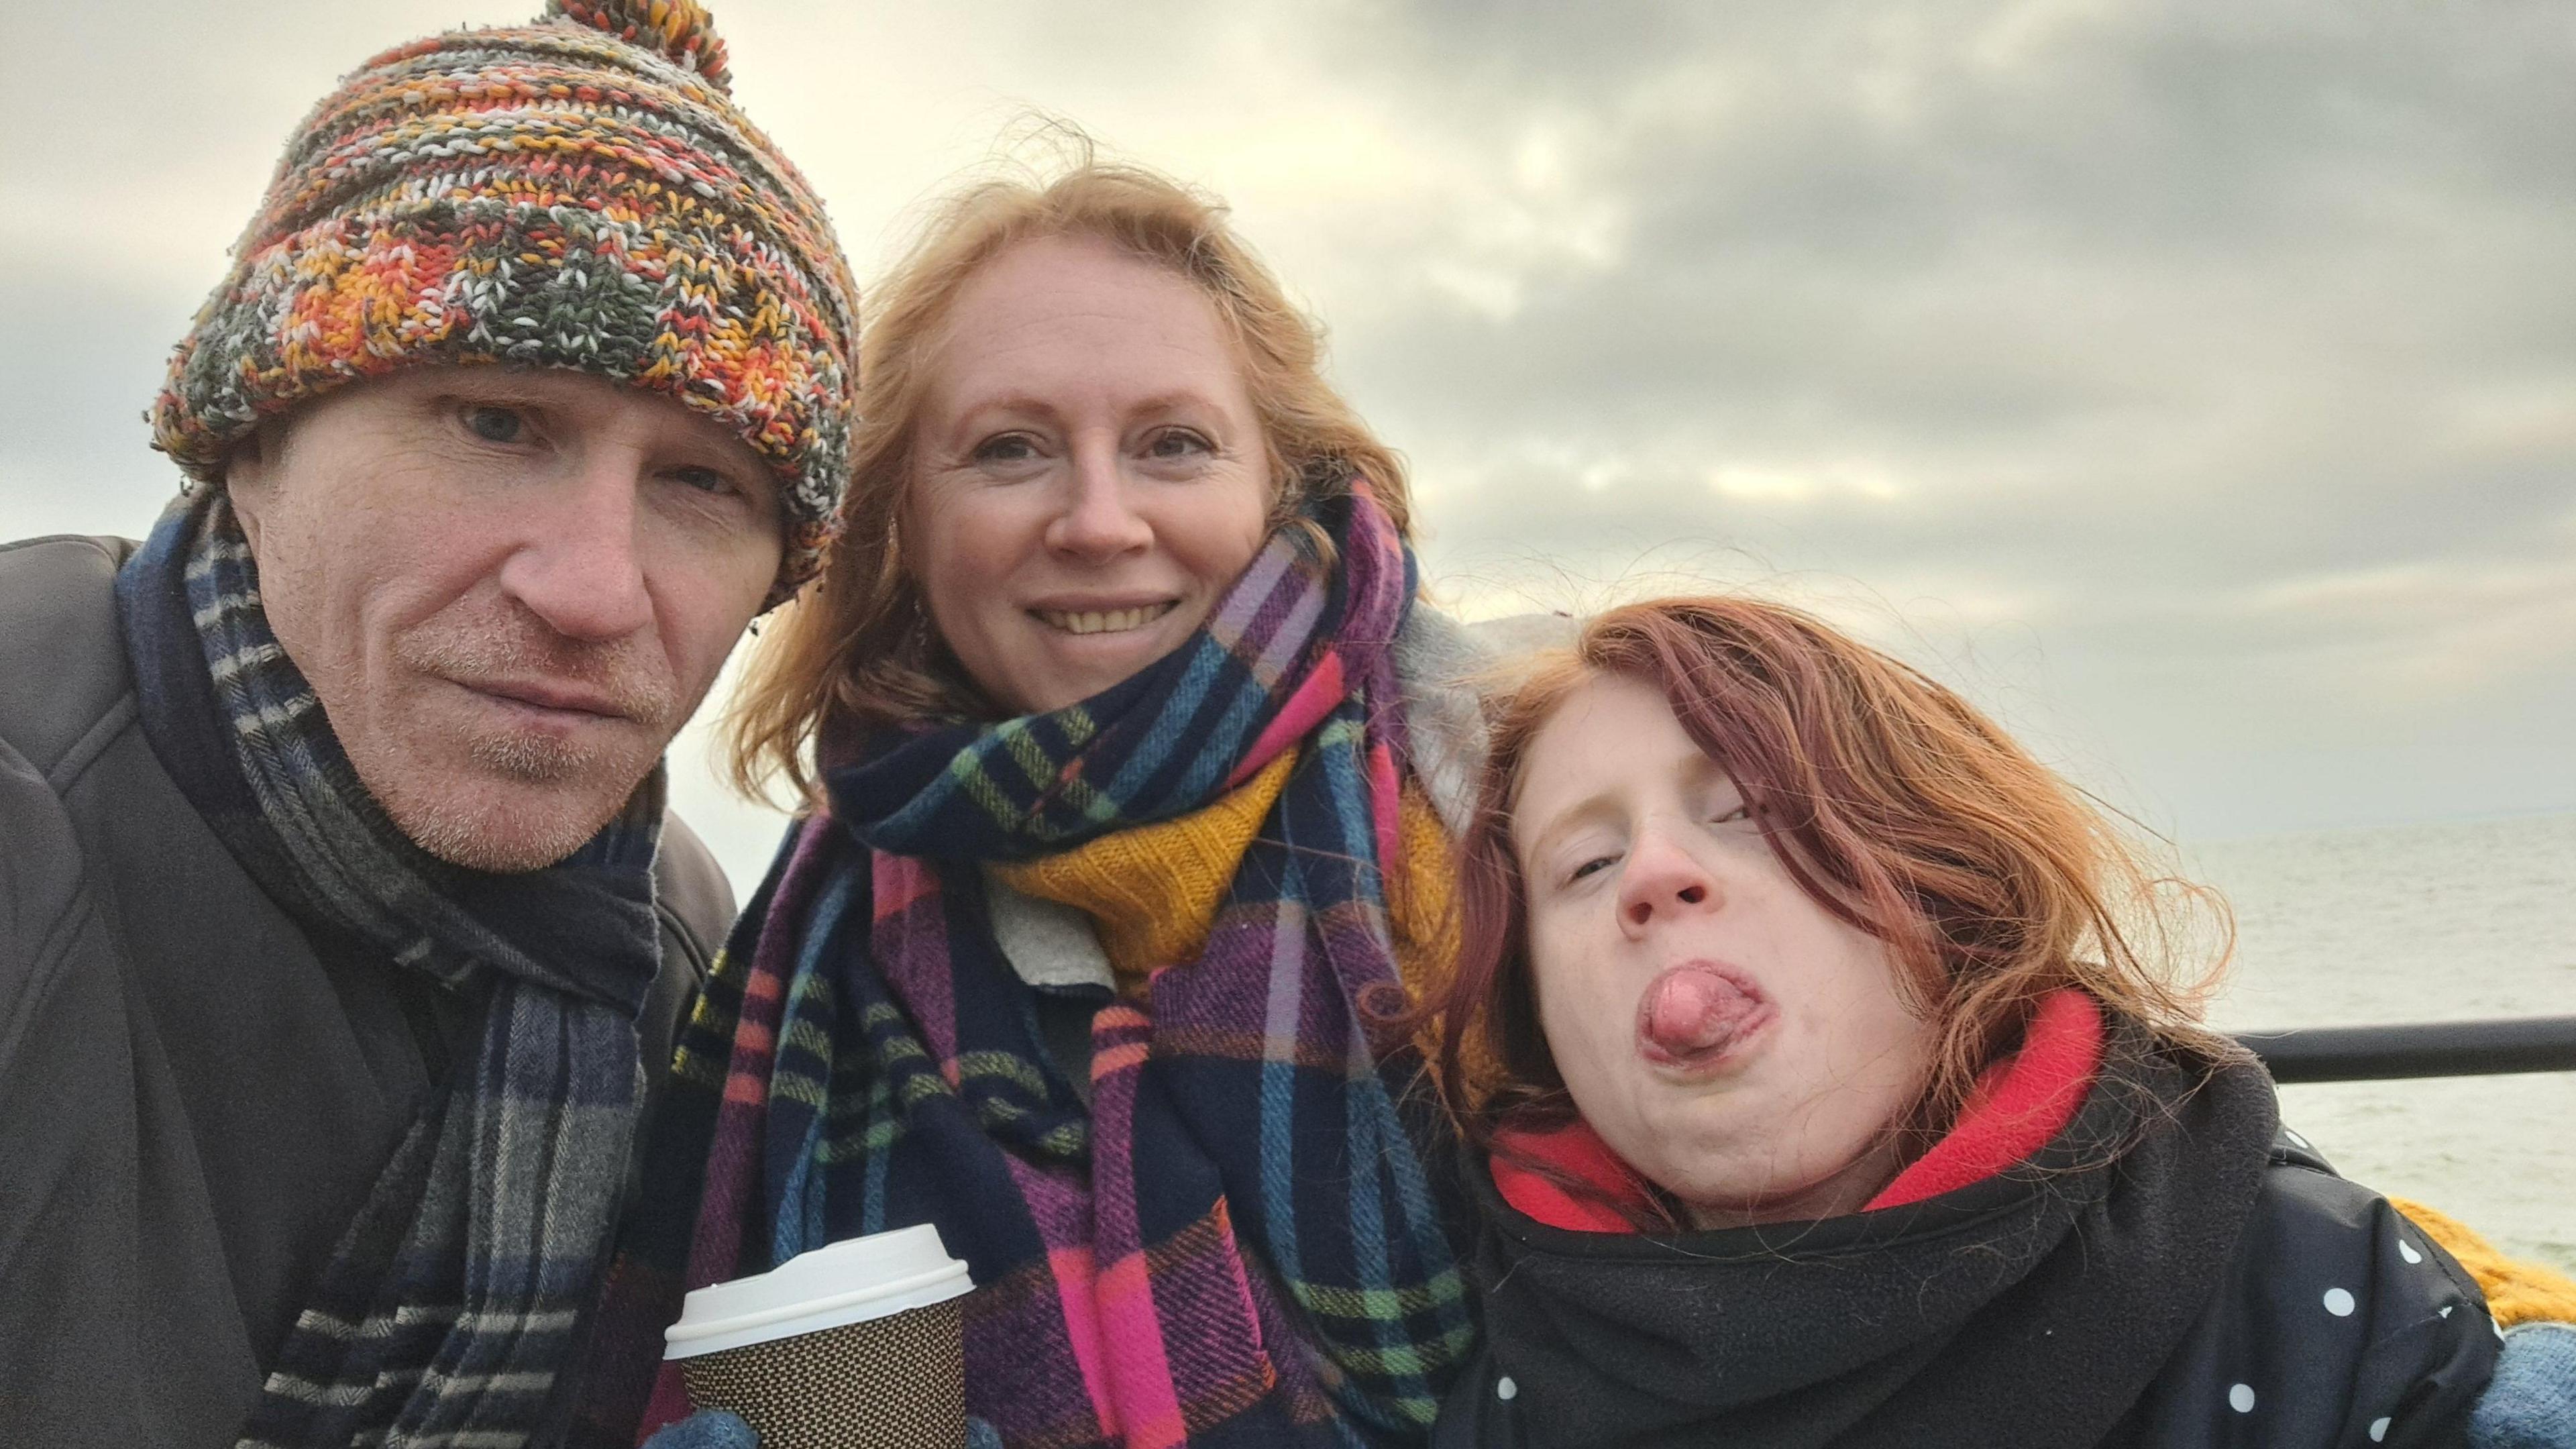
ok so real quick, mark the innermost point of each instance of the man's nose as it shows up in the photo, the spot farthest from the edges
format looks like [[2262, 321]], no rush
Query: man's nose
[[579, 564], [1663, 881], [1098, 519]]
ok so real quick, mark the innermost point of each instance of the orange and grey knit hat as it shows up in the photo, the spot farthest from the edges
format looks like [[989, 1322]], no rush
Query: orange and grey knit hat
[[579, 192]]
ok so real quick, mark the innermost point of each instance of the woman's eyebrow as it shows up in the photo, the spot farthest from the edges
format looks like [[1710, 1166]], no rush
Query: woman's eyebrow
[[1014, 401], [1176, 400]]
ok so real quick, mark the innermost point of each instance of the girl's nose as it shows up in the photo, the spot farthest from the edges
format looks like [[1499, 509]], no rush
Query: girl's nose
[[1663, 881]]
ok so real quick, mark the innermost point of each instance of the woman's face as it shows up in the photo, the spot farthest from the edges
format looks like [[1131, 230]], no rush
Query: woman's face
[[1089, 474], [1729, 1037]]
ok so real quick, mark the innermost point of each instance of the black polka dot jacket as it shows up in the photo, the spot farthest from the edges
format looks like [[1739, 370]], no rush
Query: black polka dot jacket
[[2173, 1270]]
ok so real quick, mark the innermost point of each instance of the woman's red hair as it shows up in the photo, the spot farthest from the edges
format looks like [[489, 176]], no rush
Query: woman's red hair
[[1892, 802]]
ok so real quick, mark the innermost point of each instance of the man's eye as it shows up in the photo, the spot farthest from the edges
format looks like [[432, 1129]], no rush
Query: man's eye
[[705, 480], [495, 424]]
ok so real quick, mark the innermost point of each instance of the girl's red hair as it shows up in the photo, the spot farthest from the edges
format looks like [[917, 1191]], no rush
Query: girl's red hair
[[1892, 802]]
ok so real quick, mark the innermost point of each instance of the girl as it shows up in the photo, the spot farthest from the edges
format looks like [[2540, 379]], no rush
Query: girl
[[1820, 1092]]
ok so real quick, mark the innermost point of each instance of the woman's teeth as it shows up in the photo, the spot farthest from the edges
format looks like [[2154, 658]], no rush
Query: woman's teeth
[[1103, 621]]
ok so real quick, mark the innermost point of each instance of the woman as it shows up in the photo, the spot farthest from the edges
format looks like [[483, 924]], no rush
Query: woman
[[1121, 803], [1834, 1101]]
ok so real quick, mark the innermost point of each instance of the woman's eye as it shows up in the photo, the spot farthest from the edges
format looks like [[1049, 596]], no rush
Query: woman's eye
[[1006, 448], [494, 423], [1594, 866], [1728, 817], [1178, 443]]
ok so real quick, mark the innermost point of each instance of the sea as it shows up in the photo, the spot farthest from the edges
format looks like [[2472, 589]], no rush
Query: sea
[[2419, 923]]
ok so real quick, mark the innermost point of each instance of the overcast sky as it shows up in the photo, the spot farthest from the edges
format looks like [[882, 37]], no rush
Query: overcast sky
[[2194, 384]]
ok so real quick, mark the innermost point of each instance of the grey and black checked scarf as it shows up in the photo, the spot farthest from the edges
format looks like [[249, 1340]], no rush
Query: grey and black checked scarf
[[455, 1297]]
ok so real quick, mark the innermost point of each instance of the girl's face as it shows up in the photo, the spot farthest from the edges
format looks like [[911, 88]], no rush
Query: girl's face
[[1731, 1039]]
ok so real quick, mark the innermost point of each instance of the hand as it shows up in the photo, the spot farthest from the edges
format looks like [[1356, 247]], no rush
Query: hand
[[706, 1429]]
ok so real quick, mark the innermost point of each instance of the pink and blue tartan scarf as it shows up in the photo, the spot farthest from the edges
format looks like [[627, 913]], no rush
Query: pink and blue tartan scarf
[[1238, 1242]]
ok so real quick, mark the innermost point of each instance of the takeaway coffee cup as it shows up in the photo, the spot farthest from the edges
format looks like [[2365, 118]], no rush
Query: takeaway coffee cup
[[851, 1346]]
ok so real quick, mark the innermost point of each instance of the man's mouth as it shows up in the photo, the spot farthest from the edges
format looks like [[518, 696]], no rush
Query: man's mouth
[[1104, 621], [1696, 1014], [550, 697]]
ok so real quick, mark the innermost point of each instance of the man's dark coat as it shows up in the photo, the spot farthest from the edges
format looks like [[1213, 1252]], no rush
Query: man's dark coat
[[196, 1091]]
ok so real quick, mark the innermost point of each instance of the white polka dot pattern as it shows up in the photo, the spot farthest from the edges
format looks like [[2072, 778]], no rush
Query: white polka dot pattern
[[2339, 1302], [2241, 1398]]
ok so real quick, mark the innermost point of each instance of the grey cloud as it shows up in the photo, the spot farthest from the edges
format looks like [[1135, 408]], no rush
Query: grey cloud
[[2181, 304]]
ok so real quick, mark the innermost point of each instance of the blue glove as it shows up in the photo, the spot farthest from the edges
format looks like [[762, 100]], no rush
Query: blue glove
[[706, 1429], [2531, 1401]]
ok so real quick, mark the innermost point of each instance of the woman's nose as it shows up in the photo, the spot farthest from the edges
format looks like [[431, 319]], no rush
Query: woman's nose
[[1099, 518], [1662, 882]]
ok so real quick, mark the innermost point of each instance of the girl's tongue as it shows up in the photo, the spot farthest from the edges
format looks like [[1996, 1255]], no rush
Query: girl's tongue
[[1694, 1012]]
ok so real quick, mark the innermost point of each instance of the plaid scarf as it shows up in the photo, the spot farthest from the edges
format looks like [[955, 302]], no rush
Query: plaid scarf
[[1238, 1242], [451, 1302]]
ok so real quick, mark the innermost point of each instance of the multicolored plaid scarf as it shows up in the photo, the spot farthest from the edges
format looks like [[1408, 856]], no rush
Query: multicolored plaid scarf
[[1237, 1244], [452, 1302]]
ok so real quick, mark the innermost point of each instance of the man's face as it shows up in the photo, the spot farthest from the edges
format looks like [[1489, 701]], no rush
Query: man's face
[[509, 589]]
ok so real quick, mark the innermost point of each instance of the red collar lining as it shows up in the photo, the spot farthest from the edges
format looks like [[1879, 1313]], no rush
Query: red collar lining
[[2021, 1102]]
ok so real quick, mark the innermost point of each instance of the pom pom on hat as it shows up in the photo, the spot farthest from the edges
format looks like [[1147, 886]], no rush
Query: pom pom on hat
[[681, 30]]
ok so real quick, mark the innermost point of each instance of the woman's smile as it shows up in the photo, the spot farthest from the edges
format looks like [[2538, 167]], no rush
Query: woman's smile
[[1087, 622]]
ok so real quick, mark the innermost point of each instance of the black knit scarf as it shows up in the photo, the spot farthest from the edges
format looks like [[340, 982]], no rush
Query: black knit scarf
[[2028, 1309], [453, 1300]]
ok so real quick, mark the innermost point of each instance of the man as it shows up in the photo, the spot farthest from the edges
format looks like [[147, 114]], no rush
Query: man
[[340, 923]]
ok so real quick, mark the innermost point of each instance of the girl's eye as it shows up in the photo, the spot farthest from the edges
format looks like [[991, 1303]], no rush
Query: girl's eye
[[1178, 443], [494, 423], [1594, 866], [1740, 812]]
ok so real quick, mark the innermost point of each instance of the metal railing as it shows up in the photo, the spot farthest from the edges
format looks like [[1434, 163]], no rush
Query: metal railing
[[2428, 1049]]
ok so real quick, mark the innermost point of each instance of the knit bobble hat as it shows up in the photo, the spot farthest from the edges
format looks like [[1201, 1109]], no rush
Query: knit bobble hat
[[579, 192]]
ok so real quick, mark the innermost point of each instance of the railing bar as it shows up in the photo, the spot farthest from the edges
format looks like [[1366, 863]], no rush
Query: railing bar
[[2423, 1049]]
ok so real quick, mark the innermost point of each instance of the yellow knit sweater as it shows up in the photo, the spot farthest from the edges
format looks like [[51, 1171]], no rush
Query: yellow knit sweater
[[2516, 1292], [1153, 891]]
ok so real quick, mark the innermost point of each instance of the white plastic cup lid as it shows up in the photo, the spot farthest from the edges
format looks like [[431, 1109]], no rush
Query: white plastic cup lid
[[850, 1281]]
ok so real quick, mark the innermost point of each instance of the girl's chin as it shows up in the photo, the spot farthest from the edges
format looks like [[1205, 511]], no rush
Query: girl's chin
[[1722, 1199]]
